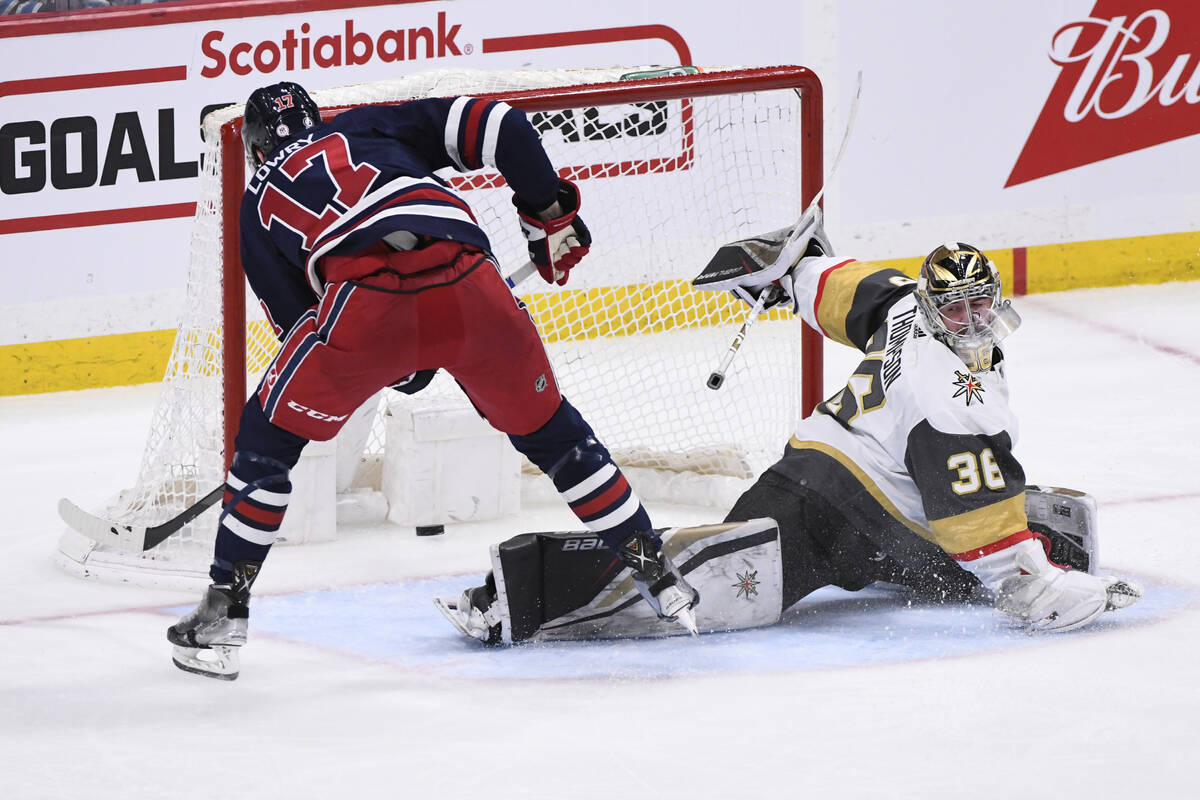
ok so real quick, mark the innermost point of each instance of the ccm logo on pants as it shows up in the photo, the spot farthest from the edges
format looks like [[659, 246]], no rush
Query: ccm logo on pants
[[294, 406]]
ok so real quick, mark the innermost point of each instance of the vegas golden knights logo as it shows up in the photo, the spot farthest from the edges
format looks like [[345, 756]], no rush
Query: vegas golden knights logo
[[747, 583], [969, 387]]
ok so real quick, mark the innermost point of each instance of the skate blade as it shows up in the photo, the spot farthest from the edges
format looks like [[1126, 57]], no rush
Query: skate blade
[[680, 609], [219, 661], [449, 608], [687, 618]]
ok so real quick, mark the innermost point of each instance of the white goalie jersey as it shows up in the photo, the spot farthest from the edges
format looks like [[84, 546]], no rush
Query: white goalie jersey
[[929, 440], [905, 475]]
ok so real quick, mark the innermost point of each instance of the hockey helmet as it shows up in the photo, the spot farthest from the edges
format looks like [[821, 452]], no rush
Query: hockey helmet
[[958, 293], [273, 115]]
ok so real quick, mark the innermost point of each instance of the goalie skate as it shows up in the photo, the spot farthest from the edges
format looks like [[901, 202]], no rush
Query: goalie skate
[[206, 641], [473, 614], [1122, 593]]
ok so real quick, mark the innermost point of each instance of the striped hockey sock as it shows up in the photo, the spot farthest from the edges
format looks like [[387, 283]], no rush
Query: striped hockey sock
[[257, 491], [599, 495], [567, 450]]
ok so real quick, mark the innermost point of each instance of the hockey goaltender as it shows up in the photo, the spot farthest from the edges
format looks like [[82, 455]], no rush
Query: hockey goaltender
[[905, 476]]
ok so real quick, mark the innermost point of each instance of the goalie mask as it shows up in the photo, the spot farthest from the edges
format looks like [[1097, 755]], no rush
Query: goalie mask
[[273, 115], [958, 292]]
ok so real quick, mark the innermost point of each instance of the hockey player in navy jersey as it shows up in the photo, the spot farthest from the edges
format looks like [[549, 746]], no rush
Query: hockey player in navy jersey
[[374, 273], [906, 475]]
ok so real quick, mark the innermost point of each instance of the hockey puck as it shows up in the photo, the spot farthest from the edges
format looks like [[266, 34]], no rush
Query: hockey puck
[[430, 530]]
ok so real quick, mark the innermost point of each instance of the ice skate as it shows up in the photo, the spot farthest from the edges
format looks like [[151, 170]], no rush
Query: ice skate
[[659, 581], [472, 613], [206, 641], [1122, 593]]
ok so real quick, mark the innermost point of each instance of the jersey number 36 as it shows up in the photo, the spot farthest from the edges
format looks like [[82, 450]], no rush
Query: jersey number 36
[[974, 472]]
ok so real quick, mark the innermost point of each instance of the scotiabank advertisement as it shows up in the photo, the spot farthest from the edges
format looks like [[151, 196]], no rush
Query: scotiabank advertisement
[[1008, 125]]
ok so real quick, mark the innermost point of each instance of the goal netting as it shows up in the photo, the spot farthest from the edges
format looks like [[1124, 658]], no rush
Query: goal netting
[[669, 167]]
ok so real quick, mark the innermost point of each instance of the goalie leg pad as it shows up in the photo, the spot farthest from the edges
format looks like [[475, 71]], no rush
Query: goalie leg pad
[[563, 586]]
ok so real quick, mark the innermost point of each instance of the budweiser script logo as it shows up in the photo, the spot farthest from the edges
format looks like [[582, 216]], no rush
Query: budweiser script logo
[[1126, 84]]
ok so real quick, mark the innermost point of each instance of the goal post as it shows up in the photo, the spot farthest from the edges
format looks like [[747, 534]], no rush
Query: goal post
[[670, 167]]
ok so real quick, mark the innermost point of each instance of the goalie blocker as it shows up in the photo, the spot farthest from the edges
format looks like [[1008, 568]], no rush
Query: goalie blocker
[[562, 586]]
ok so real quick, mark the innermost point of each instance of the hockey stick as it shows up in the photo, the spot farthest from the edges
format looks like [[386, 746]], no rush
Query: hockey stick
[[519, 274], [716, 378], [837, 159], [129, 538], [138, 539]]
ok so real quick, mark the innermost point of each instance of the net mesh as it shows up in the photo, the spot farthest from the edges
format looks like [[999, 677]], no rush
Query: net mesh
[[664, 183]]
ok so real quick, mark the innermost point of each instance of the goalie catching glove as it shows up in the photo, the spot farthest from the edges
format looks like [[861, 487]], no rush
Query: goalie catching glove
[[557, 237], [749, 267]]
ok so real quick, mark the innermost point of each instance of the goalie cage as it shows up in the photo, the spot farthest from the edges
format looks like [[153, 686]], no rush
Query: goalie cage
[[670, 167]]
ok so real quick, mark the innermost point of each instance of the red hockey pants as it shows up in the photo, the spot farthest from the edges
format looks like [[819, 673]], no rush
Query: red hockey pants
[[388, 314]]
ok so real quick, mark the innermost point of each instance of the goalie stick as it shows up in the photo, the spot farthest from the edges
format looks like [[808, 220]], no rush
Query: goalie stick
[[140, 538], [716, 378]]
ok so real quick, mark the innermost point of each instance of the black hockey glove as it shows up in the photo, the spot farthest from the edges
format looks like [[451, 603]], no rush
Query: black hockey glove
[[556, 244]]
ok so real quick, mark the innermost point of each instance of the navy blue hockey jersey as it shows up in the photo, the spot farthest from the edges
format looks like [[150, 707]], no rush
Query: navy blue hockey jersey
[[345, 184]]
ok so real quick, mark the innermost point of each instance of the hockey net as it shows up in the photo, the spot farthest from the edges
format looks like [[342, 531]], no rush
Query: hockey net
[[670, 167]]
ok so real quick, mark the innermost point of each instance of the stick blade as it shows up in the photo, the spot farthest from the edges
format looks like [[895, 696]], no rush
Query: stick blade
[[121, 537]]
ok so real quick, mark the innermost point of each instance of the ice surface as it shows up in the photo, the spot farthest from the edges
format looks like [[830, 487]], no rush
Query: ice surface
[[353, 686]]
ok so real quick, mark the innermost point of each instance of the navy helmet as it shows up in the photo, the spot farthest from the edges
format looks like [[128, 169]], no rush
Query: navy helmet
[[273, 115]]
